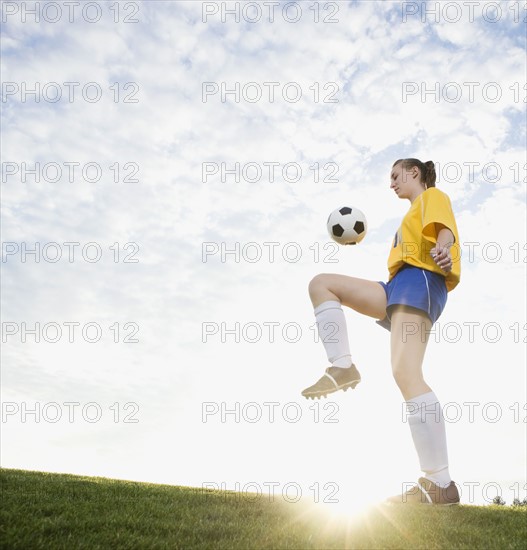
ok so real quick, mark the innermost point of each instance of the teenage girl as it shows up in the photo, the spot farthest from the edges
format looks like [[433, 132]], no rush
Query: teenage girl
[[421, 273]]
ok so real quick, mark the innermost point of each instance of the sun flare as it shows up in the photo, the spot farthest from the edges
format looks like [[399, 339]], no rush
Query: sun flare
[[351, 503]]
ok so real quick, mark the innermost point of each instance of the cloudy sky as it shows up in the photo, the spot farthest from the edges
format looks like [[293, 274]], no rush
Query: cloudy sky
[[167, 172]]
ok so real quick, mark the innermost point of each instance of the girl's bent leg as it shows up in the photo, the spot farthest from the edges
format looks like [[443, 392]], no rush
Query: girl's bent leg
[[328, 293], [366, 297]]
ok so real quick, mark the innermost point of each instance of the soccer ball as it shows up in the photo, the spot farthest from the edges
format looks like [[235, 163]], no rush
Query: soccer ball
[[347, 225]]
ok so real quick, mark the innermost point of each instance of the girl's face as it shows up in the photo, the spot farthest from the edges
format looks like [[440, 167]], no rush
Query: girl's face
[[405, 182]]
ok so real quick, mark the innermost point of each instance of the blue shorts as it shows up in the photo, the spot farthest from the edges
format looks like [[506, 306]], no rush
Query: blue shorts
[[417, 288]]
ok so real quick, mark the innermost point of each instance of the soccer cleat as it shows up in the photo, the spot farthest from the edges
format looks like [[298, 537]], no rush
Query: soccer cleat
[[427, 492], [334, 379]]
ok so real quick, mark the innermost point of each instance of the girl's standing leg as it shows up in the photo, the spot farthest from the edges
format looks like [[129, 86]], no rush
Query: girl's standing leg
[[409, 336]]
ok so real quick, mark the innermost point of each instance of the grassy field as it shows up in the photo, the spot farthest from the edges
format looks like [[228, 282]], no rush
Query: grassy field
[[42, 510]]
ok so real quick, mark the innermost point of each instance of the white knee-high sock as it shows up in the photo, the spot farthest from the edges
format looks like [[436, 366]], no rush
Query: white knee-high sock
[[332, 331], [427, 425]]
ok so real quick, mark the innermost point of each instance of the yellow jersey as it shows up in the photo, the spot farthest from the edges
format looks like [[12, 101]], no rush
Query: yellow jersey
[[417, 235]]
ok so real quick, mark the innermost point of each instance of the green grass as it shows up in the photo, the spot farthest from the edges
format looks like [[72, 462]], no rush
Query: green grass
[[42, 510]]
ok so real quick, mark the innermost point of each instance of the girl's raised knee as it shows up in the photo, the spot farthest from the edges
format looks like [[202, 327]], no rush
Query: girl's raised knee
[[317, 282]]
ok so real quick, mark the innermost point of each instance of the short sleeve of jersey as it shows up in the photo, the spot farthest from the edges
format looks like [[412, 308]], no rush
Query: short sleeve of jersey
[[436, 208]]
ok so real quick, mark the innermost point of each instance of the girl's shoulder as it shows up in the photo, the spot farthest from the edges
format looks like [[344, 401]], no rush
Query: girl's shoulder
[[434, 193]]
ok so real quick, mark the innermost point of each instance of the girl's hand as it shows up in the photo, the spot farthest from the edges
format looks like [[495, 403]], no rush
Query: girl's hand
[[442, 258]]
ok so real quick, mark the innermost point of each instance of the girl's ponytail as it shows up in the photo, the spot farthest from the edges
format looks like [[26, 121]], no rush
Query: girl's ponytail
[[429, 175]]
